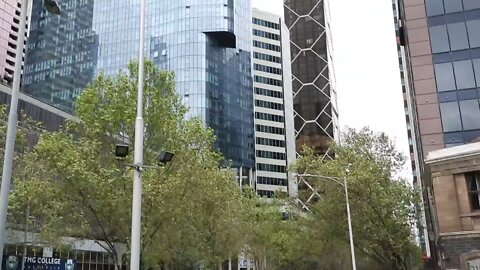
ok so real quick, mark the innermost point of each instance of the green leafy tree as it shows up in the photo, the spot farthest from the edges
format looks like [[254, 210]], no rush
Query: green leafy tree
[[72, 183], [382, 203]]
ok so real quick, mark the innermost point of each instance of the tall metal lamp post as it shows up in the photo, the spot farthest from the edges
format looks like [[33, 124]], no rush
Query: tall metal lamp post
[[138, 154], [52, 7], [338, 180]]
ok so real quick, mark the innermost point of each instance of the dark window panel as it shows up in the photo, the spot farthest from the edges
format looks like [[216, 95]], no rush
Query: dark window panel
[[435, 7], [472, 14], [470, 111], [441, 58], [447, 96], [464, 74], [450, 117], [439, 39], [457, 33], [448, 145], [454, 138], [472, 136], [444, 77], [461, 55], [467, 94], [454, 17]]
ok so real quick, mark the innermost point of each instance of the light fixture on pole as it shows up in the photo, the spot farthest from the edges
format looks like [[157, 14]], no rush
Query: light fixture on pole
[[50, 6], [349, 218]]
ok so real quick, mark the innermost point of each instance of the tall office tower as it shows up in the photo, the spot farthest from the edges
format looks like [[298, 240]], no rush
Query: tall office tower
[[206, 43], [313, 77], [9, 28], [313, 81], [413, 131], [441, 43], [274, 128]]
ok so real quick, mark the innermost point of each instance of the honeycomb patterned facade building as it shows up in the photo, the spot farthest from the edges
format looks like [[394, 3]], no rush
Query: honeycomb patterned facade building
[[313, 77], [313, 81]]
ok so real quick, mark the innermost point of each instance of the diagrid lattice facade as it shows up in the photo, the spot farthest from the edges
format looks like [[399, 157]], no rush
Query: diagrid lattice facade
[[313, 80]]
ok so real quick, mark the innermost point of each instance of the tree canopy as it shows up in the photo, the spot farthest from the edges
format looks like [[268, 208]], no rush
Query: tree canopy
[[73, 184], [193, 212]]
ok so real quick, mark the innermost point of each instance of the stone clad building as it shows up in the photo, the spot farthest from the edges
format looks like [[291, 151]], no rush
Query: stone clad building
[[455, 174]]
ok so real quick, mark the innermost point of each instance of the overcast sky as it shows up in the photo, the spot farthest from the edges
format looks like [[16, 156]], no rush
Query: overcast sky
[[366, 65]]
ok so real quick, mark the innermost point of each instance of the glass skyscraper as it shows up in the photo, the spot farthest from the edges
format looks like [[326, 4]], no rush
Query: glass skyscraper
[[206, 43], [313, 81]]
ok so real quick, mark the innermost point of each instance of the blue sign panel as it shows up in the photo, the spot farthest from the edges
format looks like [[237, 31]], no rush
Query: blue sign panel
[[38, 263]]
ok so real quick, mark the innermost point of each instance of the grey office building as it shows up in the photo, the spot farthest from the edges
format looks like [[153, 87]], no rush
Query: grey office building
[[206, 43]]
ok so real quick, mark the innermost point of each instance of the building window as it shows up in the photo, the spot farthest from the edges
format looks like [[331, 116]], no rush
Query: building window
[[444, 77], [473, 180], [473, 33], [458, 36], [453, 6], [470, 111], [434, 7], [471, 4], [476, 68], [464, 74], [450, 116], [439, 39]]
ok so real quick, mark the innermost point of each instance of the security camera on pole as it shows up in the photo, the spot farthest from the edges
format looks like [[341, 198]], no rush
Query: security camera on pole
[[52, 7]]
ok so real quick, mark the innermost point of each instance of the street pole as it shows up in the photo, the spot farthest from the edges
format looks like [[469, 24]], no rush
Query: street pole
[[349, 218], [138, 157], [12, 128], [25, 238]]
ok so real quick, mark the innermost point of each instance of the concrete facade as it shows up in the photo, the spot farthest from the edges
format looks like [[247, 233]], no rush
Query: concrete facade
[[9, 27], [455, 174], [273, 106]]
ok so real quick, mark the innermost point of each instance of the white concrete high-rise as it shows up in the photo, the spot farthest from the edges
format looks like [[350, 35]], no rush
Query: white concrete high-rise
[[273, 106]]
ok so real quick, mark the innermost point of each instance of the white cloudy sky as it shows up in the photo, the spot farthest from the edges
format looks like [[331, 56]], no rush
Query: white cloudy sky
[[366, 65]]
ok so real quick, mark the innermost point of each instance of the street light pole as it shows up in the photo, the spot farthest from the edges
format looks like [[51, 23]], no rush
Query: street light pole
[[12, 128], [138, 155], [349, 218], [350, 232], [52, 7]]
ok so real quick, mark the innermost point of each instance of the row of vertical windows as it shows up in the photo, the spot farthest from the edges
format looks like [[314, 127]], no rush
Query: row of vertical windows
[[269, 117], [268, 93], [270, 142], [266, 23], [268, 104], [272, 181], [266, 46], [264, 34], [439, 7], [269, 129], [270, 81], [457, 75], [455, 36], [460, 115], [265, 193], [271, 155], [267, 69], [271, 168], [267, 57]]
